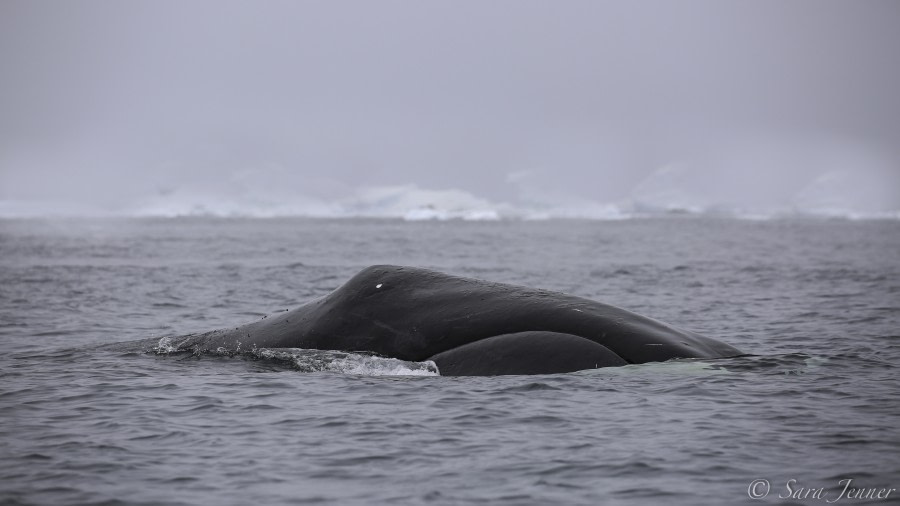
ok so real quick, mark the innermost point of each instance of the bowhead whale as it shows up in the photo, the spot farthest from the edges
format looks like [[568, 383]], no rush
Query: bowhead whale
[[468, 327]]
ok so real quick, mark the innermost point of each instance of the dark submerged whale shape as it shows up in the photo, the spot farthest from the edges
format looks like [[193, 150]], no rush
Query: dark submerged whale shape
[[468, 327]]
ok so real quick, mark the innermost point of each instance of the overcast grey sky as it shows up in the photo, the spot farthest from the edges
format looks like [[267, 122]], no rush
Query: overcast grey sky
[[108, 101]]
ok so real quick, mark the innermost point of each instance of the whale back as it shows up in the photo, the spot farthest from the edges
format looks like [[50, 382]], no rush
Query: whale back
[[414, 314]]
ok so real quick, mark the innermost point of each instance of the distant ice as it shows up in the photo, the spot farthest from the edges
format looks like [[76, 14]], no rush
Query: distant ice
[[671, 190]]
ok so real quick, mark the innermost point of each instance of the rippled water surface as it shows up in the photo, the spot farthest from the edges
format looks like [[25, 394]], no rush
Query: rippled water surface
[[816, 304]]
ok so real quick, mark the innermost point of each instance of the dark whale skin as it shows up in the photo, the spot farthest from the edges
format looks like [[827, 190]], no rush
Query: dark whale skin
[[467, 326]]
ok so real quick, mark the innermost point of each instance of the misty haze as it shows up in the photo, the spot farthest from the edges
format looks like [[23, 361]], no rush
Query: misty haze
[[429, 252], [474, 109]]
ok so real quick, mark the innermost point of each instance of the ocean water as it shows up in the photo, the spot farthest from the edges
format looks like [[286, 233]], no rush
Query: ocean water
[[815, 304]]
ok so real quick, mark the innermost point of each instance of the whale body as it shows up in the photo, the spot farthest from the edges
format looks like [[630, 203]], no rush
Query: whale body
[[467, 327]]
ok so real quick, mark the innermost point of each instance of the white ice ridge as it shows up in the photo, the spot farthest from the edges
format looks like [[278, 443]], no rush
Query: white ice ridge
[[672, 189]]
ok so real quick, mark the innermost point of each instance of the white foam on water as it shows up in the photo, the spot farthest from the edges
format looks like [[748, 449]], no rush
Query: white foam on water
[[345, 363], [165, 346]]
